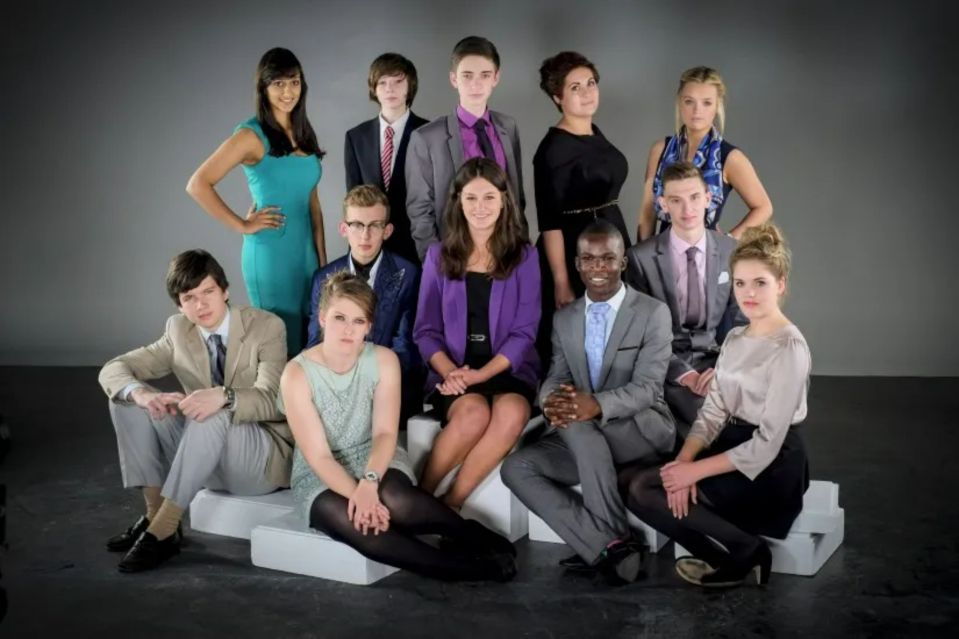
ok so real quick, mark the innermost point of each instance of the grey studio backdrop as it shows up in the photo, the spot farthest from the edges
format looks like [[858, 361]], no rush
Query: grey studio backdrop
[[844, 110]]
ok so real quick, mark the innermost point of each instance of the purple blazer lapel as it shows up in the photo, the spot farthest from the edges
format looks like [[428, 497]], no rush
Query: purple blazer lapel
[[495, 305], [454, 319]]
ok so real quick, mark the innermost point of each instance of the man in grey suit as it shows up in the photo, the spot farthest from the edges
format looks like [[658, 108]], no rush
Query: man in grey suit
[[223, 431], [604, 396], [687, 267], [438, 149]]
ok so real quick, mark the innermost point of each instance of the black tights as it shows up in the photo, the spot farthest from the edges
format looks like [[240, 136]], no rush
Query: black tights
[[413, 512], [647, 499]]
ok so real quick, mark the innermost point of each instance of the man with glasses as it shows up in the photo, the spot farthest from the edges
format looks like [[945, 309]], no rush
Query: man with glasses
[[395, 280], [603, 398]]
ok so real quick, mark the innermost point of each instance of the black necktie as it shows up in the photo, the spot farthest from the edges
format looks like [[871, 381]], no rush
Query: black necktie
[[217, 361], [485, 145]]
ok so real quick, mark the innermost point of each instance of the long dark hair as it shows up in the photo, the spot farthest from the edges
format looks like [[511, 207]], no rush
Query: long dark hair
[[281, 63], [509, 239]]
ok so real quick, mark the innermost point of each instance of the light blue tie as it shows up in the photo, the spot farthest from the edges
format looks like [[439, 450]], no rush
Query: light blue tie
[[595, 339]]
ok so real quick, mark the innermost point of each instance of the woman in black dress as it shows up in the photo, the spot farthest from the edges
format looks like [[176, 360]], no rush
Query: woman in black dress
[[578, 174]]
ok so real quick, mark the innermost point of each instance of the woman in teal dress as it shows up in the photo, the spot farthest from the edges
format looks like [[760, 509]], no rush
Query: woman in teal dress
[[350, 480], [283, 241]]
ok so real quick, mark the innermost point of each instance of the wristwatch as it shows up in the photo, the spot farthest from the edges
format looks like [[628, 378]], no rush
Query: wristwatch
[[230, 397], [371, 475]]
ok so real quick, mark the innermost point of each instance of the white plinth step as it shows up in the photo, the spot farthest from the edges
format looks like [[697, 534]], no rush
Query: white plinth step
[[815, 535], [220, 513], [287, 544]]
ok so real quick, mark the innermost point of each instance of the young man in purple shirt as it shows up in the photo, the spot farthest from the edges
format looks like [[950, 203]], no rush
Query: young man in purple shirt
[[438, 149]]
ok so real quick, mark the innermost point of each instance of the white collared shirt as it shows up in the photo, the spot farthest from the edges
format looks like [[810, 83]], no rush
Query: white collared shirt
[[398, 128], [223, 330], [614, 303], [373, 270]]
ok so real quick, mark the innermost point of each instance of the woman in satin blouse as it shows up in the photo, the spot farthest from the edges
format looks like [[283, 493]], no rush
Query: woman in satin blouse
[[742, 471]]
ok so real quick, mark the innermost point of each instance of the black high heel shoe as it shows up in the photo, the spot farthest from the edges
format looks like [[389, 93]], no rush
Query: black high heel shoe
[[734, 573]]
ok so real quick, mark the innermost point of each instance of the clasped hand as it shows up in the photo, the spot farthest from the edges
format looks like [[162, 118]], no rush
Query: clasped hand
[[197, 406], [459, 379], [566, 404], [366, 511]]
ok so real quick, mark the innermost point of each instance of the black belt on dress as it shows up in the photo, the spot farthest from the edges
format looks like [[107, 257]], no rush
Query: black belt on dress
[[590, 209]]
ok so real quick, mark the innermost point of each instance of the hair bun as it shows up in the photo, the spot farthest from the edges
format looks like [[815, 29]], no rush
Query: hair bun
[[766, 244], [766, 236]]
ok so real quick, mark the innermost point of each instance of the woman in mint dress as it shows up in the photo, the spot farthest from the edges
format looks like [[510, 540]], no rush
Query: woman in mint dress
[[283, 241], [350, 479]]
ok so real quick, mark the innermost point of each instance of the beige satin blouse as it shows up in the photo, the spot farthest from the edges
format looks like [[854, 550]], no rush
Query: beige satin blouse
[[761, 380]]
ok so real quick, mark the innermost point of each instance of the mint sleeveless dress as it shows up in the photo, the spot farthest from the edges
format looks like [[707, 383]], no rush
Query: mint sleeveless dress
[[278, 264], [345, 404]]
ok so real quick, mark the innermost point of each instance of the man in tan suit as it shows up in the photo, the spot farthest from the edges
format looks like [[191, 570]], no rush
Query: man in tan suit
[[223, 431]]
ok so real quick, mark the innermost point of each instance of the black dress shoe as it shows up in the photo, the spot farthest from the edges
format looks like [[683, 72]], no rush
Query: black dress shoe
[[576, 564], [622, 563], [125, 540], [476, 540], [149, 552]]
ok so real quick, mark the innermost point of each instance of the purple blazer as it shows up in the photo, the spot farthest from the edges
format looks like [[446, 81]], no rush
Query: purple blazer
[[513, 316]]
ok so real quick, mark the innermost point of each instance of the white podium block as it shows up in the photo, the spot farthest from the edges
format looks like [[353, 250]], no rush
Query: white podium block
[[287, 544], [492, 503], [539, 530], [815, 535], [220, 513]]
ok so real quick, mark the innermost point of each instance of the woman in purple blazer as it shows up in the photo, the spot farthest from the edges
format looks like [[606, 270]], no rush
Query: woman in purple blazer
[[476, 322]]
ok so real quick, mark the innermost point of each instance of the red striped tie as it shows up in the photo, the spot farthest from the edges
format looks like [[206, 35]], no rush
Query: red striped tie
[[386, 158]]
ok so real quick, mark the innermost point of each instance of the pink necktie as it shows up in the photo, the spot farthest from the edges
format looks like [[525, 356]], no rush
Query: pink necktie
[[386, 158]]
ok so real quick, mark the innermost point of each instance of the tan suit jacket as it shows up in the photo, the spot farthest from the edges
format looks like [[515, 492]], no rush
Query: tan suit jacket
[[255, 357]]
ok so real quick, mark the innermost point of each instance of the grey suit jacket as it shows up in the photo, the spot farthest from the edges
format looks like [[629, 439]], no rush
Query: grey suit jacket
[[255, 357], [634, 363], [435, 154], [650, 271]]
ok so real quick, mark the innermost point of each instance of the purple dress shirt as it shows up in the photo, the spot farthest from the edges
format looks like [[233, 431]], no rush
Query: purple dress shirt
[[471, 147], [513, 316]]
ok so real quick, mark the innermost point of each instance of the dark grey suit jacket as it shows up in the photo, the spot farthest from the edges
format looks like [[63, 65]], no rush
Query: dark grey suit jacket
[[651, 271], [634, 364], [435, 154]]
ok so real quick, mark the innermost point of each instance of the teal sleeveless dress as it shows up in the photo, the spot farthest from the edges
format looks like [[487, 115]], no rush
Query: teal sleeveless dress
[[344, 402], [278, 264]]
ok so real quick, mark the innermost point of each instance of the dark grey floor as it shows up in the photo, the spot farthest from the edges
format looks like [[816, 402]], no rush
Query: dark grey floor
[[890, 443]]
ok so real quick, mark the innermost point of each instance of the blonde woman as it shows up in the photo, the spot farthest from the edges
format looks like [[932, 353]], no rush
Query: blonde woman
[[700, 124], [350, 480], [742, 471]]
